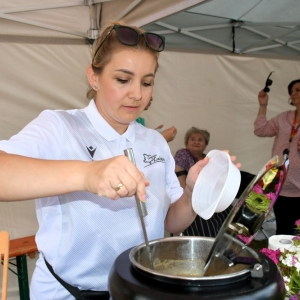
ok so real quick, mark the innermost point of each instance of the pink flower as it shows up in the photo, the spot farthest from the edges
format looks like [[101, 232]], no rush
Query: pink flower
[[258, 189], [297, 223], [243, 238], [272, 254], [294, 261], [271, 196]]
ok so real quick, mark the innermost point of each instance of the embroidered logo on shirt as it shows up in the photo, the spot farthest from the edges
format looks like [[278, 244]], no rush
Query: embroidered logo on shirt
[[91, 150], [152, 159]]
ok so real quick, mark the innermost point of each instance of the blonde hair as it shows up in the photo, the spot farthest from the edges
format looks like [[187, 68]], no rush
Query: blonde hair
[[192, 130], [110, 46]]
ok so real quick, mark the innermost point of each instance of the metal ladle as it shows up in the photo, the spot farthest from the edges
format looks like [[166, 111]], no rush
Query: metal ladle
[[141, 209]]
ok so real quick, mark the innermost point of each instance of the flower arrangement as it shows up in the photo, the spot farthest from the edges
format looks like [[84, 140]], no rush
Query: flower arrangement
[[288, 262]]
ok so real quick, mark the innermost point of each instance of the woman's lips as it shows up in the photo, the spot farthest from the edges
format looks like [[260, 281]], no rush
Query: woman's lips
[[131, 108]]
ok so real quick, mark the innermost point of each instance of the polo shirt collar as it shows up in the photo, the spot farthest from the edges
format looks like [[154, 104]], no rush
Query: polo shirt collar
[[103, 128]]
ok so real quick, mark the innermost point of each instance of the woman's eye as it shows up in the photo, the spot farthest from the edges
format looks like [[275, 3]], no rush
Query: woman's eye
[[146, 83], [122, 80]]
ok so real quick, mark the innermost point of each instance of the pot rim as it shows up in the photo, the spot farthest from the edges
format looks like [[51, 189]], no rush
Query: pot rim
[[161, 276]]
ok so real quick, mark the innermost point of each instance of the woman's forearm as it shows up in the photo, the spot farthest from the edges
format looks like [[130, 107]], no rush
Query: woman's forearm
[[262, 110], [23, 178], [180, 214]]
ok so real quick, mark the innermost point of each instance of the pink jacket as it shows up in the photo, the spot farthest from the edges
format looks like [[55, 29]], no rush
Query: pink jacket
[[280, 127]]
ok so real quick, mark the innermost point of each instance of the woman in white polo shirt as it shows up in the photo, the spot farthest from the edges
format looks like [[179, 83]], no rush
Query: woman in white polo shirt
[[73, 164]]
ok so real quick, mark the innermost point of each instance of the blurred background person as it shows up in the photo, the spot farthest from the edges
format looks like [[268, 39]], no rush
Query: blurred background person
[[168, 133], [284, 127], [195, 141]]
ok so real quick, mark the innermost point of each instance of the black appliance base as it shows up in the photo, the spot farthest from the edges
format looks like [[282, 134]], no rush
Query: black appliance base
[[126, 283]]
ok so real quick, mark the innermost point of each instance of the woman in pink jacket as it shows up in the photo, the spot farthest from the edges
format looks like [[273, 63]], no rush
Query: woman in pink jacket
[[285, 128]]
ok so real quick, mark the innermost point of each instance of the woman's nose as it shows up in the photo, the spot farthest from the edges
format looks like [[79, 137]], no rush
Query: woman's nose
[[135, 93], [293, 92]]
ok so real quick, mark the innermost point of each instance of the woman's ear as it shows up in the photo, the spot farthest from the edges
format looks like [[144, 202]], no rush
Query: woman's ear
[[92, 77]]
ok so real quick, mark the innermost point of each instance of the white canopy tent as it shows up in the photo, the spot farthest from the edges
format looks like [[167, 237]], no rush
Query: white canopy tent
[[218, 55]]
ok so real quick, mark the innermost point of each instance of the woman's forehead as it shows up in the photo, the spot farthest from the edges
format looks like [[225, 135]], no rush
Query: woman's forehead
[[140, 63], [197, 134], [296, 85]]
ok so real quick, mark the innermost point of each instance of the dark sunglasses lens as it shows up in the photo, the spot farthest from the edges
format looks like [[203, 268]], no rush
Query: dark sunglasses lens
[[155, 41], [127, 35], [269, 82]]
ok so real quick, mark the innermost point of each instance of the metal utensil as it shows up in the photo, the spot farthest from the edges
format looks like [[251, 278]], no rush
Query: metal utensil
[[142, 209]]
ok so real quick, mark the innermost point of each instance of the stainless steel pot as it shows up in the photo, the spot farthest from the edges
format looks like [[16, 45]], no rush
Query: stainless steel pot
[[132, 278], [181, 260]]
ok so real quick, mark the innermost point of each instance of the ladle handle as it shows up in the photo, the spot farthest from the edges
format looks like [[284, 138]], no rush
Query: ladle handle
[[141, 209], [141, 205]]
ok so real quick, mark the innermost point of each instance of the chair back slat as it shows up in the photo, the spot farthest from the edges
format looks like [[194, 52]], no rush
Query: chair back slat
[[4, 253]]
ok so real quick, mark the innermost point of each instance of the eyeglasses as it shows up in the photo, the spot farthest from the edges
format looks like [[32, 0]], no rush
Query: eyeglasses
[[268, 83], [130, 37]]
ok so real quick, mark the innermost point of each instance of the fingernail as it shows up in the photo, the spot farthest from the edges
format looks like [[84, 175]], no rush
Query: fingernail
[[143, 198]]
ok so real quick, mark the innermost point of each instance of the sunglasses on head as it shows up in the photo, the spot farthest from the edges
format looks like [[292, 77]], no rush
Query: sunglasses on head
[[130, 37], [268, 83]]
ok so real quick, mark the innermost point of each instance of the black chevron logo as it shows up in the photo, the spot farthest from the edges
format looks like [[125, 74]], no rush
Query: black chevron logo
[[91, 150]]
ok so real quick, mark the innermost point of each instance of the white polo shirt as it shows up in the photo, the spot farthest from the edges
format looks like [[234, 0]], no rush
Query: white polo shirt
[[80, 233]]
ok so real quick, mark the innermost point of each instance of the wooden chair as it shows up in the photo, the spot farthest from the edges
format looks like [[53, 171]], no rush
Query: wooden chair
[[4, 253]]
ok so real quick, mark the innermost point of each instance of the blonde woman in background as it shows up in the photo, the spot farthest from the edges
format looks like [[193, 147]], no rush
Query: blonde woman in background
[[195, 141]]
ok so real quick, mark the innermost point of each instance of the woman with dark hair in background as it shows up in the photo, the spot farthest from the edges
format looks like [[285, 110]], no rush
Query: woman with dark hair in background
[[195, 141], [284, 127]]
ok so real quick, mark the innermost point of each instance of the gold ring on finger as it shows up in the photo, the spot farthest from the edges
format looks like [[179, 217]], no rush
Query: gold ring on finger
[[119, 186]]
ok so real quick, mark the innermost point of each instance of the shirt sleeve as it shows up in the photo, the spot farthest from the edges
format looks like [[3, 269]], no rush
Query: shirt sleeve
[[180, 159], [264, 128], [174, 189], [41, 138]]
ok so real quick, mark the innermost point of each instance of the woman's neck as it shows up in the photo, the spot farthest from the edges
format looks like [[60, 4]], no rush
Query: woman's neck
[[197, 155]]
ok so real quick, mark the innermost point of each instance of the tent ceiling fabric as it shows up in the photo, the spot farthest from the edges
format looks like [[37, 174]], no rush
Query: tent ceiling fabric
[[56, 18], [143, 12], [75, 19], [248, 27], [255, 27], [258, 27]]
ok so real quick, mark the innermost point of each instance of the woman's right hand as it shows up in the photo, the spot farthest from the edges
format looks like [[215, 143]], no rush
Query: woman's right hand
[[263, 98], [115, 178]]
